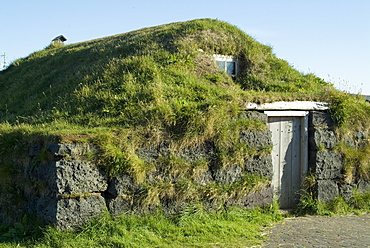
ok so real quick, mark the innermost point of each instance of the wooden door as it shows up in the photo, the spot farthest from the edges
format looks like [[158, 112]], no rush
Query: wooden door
[[287, 159]]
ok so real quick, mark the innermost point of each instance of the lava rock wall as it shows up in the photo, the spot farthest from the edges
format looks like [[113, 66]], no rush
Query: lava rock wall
[[327, 163]]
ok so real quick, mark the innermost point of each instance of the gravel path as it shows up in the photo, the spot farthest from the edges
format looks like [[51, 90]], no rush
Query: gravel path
[[320, 231]]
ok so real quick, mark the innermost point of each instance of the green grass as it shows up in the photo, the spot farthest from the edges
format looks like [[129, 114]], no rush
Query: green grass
[[194, 227]]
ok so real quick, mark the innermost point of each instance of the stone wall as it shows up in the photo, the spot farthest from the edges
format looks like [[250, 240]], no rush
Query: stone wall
[[327, 163], [65, 188]]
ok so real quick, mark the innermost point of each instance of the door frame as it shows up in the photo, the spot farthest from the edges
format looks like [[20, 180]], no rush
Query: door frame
[[303, 134]]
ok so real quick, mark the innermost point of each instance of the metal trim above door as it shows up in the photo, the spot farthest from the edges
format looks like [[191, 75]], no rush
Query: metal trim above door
[[286, 113]]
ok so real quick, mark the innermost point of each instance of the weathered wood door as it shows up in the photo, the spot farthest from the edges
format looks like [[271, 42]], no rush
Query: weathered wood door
[[287, 158]]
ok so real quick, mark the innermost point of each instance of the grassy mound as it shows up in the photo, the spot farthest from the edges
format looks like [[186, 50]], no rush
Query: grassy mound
[[164, 75]]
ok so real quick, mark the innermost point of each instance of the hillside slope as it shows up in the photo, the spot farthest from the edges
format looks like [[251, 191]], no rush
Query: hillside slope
[[129, 79]]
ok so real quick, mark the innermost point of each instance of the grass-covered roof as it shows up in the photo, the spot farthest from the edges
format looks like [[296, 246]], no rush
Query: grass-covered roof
[[131, 78]]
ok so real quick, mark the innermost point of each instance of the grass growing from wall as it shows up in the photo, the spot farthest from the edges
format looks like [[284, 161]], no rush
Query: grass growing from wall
[[194, 227]]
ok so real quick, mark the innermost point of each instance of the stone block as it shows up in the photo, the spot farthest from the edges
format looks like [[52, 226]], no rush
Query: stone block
[[320, 119], [360, 135], [120, 204], [328, 165], [326, 190], [147, 153], [256, 139], [69, 213], [360, 139], [256, 116], [69, 177], [312, 159], [204, 151], [259, 165], [229, 175], [45, 208], [122, 184], [258, 198], [363, 186], [345, 191], [34, 150], [348, 141], [323, 137]]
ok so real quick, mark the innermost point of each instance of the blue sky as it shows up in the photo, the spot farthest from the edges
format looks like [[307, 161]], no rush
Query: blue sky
[[330, 38]]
